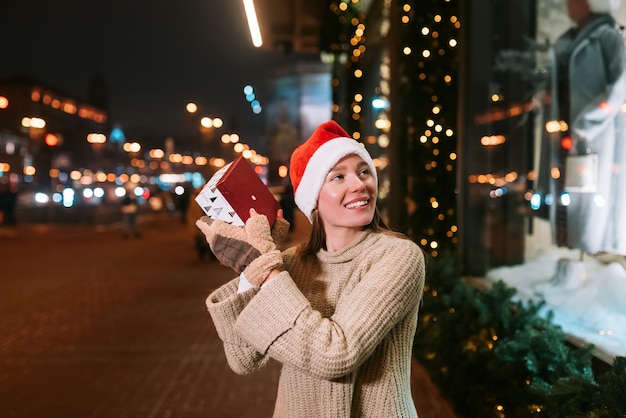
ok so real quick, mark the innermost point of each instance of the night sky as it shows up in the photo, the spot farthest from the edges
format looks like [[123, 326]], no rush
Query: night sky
[[154, 55]]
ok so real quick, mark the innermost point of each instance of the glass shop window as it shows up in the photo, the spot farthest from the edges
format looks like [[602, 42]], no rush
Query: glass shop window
[[545, 152]]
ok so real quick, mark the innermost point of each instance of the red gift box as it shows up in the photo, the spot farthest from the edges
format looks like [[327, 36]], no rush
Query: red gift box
[[233, 190]]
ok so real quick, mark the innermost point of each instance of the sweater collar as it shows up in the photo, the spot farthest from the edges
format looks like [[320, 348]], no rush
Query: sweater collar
[[349, 252]]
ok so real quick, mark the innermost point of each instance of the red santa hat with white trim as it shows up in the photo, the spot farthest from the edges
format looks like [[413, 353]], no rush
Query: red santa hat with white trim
[[313, 160]]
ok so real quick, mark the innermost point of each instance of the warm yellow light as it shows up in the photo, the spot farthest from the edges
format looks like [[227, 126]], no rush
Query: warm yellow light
[[95, 138], [132, 147], [191, 107], [552, 126], [206, 122], [33, 123], [383, 124], [383, 141]]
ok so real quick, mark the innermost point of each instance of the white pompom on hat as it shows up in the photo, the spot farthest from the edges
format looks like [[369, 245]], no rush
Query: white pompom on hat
[[603, 6], [313, 160]]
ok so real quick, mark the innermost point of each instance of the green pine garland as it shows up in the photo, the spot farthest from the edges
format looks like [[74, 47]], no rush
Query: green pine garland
[[493, 356]]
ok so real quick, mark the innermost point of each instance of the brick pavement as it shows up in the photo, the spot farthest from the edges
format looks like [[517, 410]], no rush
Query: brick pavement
[[92, 325]]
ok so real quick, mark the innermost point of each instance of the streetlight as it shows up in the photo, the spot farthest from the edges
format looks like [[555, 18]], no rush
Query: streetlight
[[253, 23]]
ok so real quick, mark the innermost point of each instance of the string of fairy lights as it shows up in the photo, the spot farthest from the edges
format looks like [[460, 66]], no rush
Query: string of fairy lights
[[426, 84]]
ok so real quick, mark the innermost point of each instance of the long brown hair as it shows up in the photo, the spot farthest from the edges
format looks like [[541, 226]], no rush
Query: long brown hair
[[317, 238]]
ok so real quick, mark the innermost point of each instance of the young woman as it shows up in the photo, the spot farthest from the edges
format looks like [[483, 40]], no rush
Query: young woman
[[339, 312]]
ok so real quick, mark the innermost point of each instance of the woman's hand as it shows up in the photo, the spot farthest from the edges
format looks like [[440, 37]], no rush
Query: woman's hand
[[250, 249], [280, 229]]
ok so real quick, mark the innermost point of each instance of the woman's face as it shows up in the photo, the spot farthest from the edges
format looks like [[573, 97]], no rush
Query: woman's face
[[348, 195]]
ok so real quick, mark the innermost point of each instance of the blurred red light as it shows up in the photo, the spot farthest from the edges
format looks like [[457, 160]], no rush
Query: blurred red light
[[567, 143], [605, 106], [51, 140]]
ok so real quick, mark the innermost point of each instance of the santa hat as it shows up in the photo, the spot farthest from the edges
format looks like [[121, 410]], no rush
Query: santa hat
[[603, 6], [313, 160]]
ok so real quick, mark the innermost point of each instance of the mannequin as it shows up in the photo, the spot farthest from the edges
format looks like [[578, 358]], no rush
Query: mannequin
[[588, 92]]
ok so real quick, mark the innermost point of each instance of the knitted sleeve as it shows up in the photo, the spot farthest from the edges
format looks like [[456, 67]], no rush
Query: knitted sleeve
[[280, 321], [225, 305]]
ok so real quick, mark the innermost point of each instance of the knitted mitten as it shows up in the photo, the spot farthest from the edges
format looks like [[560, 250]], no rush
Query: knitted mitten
[[250, 249], [280, 230]]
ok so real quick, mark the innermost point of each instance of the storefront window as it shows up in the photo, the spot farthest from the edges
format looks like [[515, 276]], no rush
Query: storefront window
[[545, 199]]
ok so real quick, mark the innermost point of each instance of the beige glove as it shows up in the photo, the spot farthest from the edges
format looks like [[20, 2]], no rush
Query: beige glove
[[280, 230], [250, 249]]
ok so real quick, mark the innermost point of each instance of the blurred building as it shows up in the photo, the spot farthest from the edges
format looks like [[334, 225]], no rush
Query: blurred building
[[291, 25], [45, 131]]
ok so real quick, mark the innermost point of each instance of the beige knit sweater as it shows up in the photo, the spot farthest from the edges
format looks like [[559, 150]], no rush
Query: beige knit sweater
[[342, 325]]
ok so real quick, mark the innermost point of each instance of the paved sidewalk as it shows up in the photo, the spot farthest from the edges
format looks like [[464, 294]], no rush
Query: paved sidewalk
[[92, 325]]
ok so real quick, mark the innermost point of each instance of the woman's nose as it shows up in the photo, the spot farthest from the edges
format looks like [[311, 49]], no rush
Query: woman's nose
[[357, 184]]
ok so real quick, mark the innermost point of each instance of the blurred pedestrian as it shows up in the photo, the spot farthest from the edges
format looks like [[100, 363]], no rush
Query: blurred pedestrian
[[182, 201], [130, 215], [338, 312], [194, 212], [8, 201]]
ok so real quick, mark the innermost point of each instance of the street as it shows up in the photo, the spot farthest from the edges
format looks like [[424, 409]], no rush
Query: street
[[94, 325]]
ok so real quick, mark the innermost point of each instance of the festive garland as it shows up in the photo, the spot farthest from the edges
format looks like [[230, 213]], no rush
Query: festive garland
[[492, 356]]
